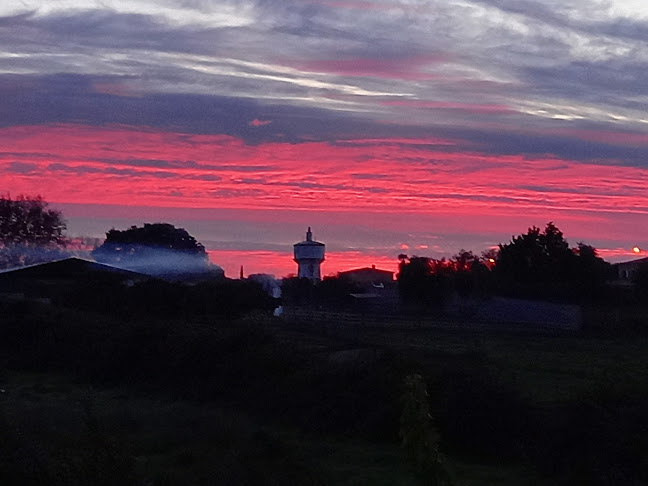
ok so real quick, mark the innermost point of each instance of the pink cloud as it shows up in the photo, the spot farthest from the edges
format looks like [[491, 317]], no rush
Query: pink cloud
[[372, 174], [391, 184], [259, 123]]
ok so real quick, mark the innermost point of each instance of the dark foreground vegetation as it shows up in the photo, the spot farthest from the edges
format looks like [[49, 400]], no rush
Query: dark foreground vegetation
[[92, 398], [113, 378]]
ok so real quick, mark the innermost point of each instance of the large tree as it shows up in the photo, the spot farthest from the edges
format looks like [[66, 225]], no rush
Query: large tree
[[538, 256], [424, 282], [540, 263], [30, 232], [153, 248]]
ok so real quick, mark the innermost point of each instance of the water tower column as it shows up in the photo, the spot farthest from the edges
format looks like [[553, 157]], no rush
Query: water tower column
[[309, 255]]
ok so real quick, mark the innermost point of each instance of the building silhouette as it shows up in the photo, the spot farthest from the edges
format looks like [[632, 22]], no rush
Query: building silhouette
[[309, 255]]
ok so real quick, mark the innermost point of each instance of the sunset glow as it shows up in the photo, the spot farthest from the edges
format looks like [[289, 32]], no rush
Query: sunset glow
[[421, 128], [281, 263]]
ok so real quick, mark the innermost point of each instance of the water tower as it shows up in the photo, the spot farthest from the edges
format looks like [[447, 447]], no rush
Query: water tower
[[309, 255]]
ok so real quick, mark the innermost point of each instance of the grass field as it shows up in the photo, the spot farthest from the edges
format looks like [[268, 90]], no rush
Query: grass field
[[91, 399]]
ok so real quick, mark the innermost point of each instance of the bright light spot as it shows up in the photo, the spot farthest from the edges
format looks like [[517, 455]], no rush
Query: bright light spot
[[636, 249], [491, 260]]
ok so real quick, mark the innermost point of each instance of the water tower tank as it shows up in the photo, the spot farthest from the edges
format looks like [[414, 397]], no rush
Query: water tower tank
[[309, 255]]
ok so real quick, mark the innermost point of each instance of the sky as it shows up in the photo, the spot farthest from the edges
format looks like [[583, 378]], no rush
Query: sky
[[414, 126]]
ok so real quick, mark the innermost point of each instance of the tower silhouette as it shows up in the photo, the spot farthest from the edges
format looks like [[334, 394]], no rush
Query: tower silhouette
[[309, 255]]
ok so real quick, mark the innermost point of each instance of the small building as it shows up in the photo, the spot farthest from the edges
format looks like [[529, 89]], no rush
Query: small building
[[377, 290], [369, 276], [626, 270], [309, 255], [56, 277]]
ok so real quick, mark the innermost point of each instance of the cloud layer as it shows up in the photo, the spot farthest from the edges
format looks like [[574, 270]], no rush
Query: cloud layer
[[462, 110]]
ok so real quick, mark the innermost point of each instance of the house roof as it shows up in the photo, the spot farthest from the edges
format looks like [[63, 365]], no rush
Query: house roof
[[632, 263], [67, 268], [367, 271]]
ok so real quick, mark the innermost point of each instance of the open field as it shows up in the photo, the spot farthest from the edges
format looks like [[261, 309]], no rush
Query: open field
[[143, 440], [263, 401]]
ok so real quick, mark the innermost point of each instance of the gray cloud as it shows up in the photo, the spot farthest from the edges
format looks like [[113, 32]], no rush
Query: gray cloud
[[85, 169], [22, 168], [323, 70]]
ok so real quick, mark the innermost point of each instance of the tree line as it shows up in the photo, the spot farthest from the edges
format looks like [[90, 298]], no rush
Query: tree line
[[537, 264]]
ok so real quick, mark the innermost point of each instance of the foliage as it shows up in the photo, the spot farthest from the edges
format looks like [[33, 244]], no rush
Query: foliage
[[565, 405], [296, 290], [427, 282], [153, 248], [472, 275], [332, 291], [536, 256], [175, 442], [423, 281], [218, 297], [418, 435], [27, 458], [540, 263], [27, 220], [30, 232], [640, 282]]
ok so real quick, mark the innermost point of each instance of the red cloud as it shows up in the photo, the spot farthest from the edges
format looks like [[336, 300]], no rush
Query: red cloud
[[394, 183], [259, 123]]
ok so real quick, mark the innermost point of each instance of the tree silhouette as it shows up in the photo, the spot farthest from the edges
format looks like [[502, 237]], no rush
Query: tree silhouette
[[471, 274], [27, 220], [30, 232], [640, 282], [541, 264], [153, 248], [536, 256], [464, 261], [423, 281]]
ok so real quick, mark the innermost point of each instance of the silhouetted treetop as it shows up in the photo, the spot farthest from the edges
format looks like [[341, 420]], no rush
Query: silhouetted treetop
[[27, 220], [157, 235], [537, 256], [423, 281], [158, 245], [541, 263], [29, 231]]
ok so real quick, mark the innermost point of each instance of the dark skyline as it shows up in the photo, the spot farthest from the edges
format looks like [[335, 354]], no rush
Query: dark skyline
[[423, 126]]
